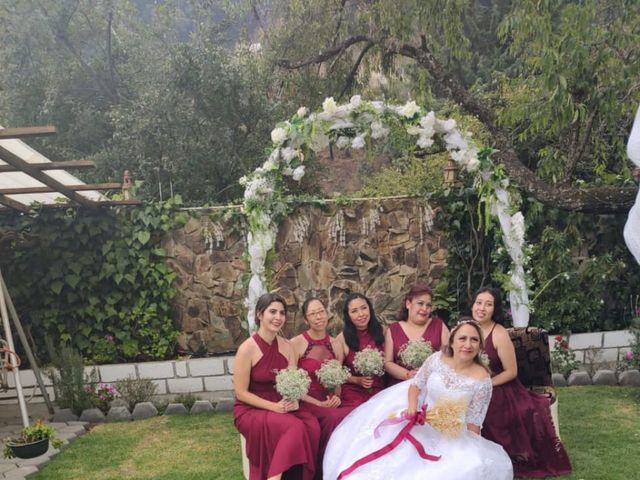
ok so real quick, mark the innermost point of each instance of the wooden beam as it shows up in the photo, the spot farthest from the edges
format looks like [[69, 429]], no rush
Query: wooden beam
[[24, 132], [13, 204], [75, 188], [12, 159], [63, 165]]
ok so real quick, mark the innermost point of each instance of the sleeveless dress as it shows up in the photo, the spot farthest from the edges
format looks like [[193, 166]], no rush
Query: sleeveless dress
[[467, 457], [354, 395], [316, 353], [432, 334], [520, 421], [276, 442]]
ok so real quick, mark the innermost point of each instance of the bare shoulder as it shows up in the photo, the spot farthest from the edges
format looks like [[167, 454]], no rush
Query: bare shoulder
[[248, 347], [479, 372], [298, 341], [500, 334]]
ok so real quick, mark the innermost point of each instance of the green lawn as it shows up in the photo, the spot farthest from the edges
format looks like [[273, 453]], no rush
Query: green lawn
[[600, 427]]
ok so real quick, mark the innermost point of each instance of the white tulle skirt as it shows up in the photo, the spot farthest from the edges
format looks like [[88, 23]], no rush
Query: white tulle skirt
[[467, 457]]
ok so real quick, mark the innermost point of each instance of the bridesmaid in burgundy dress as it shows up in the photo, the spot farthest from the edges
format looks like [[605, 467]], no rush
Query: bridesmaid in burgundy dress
[[312, 348], [361, 330], [282, 440], [518, 419], [414, 321]]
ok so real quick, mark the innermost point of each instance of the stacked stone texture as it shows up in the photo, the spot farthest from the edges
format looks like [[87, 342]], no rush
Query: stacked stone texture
[[387, 248]]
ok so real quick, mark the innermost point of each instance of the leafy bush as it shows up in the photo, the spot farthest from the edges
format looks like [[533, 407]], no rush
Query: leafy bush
[[136, 390], [187, 399], [102, 281], [69, 378]]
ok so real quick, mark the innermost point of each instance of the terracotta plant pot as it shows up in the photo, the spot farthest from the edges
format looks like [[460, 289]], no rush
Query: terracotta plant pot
[[29, 450]]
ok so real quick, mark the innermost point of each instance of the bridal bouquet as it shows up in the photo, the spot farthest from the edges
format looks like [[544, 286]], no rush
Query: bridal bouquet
[[332, 374], [415, 352], [369, 362], [292, 383], [448, 417]]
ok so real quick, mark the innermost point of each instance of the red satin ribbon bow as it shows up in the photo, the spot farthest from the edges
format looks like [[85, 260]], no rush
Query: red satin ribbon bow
[[404, 434]]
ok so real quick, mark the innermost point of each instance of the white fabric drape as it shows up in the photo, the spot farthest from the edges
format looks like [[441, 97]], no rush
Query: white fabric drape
[[632, 227]]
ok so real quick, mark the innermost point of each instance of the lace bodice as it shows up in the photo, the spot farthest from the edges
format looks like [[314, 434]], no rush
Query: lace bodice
[[436, 381]]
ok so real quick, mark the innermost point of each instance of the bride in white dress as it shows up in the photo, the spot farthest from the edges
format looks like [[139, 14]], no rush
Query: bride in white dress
[[456, 373]]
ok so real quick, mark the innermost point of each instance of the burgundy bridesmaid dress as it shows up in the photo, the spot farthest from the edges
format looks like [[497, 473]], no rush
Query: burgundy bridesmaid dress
[[317, 352], [276, 442], [354, 395], [520, 421], [432, 334]]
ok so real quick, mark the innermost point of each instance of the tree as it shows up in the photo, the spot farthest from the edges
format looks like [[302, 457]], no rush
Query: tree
[[556, 89]]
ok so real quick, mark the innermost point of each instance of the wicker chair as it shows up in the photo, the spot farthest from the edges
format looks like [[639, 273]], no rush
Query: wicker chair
[[534, 364]]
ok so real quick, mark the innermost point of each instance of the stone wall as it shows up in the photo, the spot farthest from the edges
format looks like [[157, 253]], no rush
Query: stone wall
[[380, 247]]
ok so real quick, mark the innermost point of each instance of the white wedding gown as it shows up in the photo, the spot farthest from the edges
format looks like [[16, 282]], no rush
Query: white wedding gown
[[466, 457]]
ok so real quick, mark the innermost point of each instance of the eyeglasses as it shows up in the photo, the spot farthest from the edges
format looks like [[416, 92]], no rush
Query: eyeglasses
[[317, 313]]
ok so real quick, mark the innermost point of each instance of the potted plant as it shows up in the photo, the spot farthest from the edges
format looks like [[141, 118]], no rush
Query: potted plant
[[32, 442]]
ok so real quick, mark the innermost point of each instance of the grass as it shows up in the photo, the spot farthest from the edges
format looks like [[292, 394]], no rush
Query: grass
[[600, 428]]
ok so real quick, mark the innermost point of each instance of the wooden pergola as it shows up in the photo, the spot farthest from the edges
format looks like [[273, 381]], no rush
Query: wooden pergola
[[29, 179], [47, 184]]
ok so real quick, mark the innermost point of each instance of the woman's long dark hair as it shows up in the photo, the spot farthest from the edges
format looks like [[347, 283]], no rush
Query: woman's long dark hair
[[498, 311], [350, 332], [416, 291], [264, 301]]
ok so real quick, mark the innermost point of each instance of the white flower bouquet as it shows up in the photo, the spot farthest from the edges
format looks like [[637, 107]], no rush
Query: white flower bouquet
[[415, 352], [332, 374], [292, 383], [369, 362]]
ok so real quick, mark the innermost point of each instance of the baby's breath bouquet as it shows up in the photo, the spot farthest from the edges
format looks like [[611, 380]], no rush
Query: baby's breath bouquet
[[415, 352], [332, 374], [292, 383], [369, 362]]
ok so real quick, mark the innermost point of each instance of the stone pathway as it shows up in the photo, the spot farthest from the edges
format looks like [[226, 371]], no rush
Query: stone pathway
[[10, 426]]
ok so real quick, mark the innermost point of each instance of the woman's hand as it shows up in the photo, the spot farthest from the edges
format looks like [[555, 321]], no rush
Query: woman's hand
[[332, 401], [284, 406], [365, 382], [410, 374]]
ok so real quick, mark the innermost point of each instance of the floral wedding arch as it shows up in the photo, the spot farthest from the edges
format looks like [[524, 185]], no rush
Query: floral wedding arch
[[349, 125]]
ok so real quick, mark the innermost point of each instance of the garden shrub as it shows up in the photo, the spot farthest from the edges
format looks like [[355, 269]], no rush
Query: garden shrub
[[136, 390], [187, 399], [102, 281], [69, 378]]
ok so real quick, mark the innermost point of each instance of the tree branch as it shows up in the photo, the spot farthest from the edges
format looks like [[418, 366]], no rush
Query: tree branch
[[354, 70], [578, 148], [324, 56]]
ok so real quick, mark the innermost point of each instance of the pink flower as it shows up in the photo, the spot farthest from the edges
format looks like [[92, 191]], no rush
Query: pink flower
[[628, 356], [109, 338]]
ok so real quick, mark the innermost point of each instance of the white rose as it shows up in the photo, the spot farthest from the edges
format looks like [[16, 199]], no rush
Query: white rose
[[355, 101], [269, 165], [378, 130], [243, 180], [329, 105], [278, 135], [409, 109], [342, 142], [298, 173], [424, 141], [289, 154], [358, 142], [473, 164], [302, 112]]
